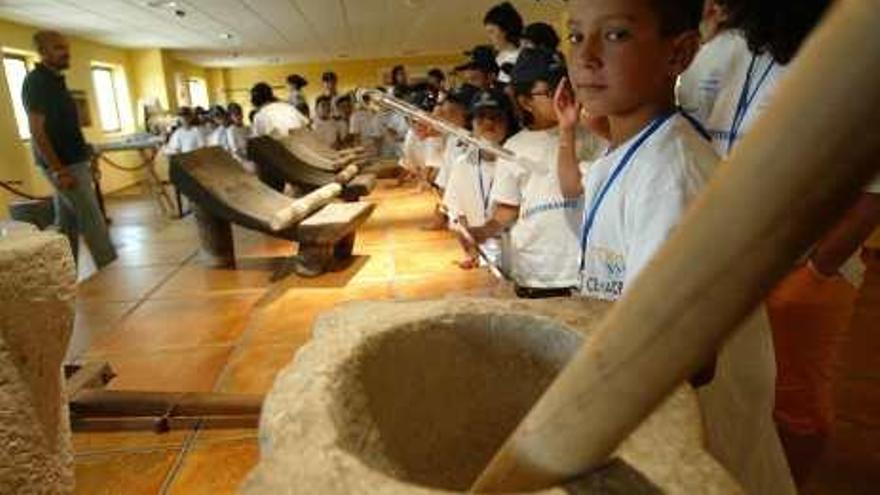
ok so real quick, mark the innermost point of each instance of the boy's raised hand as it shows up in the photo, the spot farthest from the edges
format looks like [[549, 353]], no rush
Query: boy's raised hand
[[568, 110]]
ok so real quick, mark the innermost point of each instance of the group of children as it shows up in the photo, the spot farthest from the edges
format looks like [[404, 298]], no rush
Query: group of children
[[611, 152], [218, 126]]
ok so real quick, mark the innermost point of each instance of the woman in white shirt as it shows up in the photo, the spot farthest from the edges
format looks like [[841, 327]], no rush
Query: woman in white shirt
[[274, 118], [504, 26]]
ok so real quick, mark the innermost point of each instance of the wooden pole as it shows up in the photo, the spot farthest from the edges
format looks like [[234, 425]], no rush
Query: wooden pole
[[797, 172], [305, 206]]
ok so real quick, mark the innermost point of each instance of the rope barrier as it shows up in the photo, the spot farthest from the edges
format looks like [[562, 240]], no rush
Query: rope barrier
[[8, 186]]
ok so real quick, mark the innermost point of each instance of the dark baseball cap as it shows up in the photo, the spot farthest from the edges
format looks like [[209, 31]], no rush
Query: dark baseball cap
[[482, 58], [462, 95], [490, 99], [538, 64]]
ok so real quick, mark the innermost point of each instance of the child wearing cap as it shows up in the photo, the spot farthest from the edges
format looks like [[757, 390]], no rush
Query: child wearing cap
[[544, 225], [626, 58], [469, 190]]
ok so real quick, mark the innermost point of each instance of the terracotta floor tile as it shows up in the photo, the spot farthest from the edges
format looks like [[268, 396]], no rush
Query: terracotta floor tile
[[474, 283], [98, 442], [93, 321], [183, 370], [191, 322], [133, 473], [215, 468], [151, 254], [119, 284], [190, 280], [253, 369]]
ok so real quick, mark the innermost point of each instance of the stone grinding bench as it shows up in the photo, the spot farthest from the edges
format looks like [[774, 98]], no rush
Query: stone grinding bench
[[293, 162], [223, 194]]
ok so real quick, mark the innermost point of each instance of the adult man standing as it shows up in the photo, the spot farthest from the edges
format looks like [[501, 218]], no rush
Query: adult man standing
[[61, 150]]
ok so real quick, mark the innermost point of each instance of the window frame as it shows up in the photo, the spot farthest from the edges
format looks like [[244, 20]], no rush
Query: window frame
[[111, 72], [204, 85], [28, 66]]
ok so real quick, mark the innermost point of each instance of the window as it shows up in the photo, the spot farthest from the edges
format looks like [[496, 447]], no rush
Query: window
[[108, 102], [198, 93], [16, 69]]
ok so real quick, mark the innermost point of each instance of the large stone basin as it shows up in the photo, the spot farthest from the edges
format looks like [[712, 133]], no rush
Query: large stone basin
[[415, 397]]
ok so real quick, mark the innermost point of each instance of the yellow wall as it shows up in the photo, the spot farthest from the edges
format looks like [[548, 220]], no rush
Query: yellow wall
[[352, 74]]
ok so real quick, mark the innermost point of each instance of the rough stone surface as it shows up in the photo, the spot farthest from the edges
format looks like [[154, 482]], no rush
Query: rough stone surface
[[415, 397], [37, 293]]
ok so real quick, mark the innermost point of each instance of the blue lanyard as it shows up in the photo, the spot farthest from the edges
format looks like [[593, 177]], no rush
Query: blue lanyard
[[484, 195], [590, 217], [745, 100]]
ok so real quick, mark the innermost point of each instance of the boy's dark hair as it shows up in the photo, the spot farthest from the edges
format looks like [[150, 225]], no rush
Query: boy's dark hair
[[775, 27], [505, 16], [329, 76], [297, 81], [678, 16], [437, 74], [346, 98], [234, 108], [262, 94], [395, 73]]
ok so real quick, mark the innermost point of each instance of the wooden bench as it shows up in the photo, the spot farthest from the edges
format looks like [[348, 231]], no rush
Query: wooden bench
[[278, 164], [222, 194]]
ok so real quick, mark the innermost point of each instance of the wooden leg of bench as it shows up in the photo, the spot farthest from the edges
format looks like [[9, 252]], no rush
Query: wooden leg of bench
[[215, 234], [343, 249], [314, 259]]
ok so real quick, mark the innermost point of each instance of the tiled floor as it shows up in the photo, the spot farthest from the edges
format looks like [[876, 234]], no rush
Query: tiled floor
[[167, 323]]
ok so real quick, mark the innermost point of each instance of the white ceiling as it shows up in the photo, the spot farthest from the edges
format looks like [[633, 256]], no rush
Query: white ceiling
[[275, 31]]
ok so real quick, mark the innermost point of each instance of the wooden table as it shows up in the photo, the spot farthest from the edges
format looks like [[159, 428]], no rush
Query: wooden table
[[148, 147]]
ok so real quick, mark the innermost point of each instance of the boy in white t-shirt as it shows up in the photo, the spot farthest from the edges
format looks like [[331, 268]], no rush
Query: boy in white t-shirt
[[325, 127], [468, 193], [544, 225], [626, 57], [188, 137]]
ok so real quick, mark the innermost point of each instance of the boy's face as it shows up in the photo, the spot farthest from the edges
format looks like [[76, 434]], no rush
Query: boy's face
[[477, 78], [490, 125], [345, 108], [539, 103], [453, 113], [496, 36], [620, 60]]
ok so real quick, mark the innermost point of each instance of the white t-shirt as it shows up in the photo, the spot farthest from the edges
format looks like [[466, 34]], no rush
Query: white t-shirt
[[699, 86], [365, 124], [329, 131], [545, 245], [469, 189], [506, 57], [413, 152], [184, 140], [765, 77], [874, 187], [643, 205], [218, 137], [277, 119], [236, 140], [453, 149]]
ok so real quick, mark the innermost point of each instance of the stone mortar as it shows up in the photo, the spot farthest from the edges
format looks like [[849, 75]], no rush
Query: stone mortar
[[414, 398], [37, 295]]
